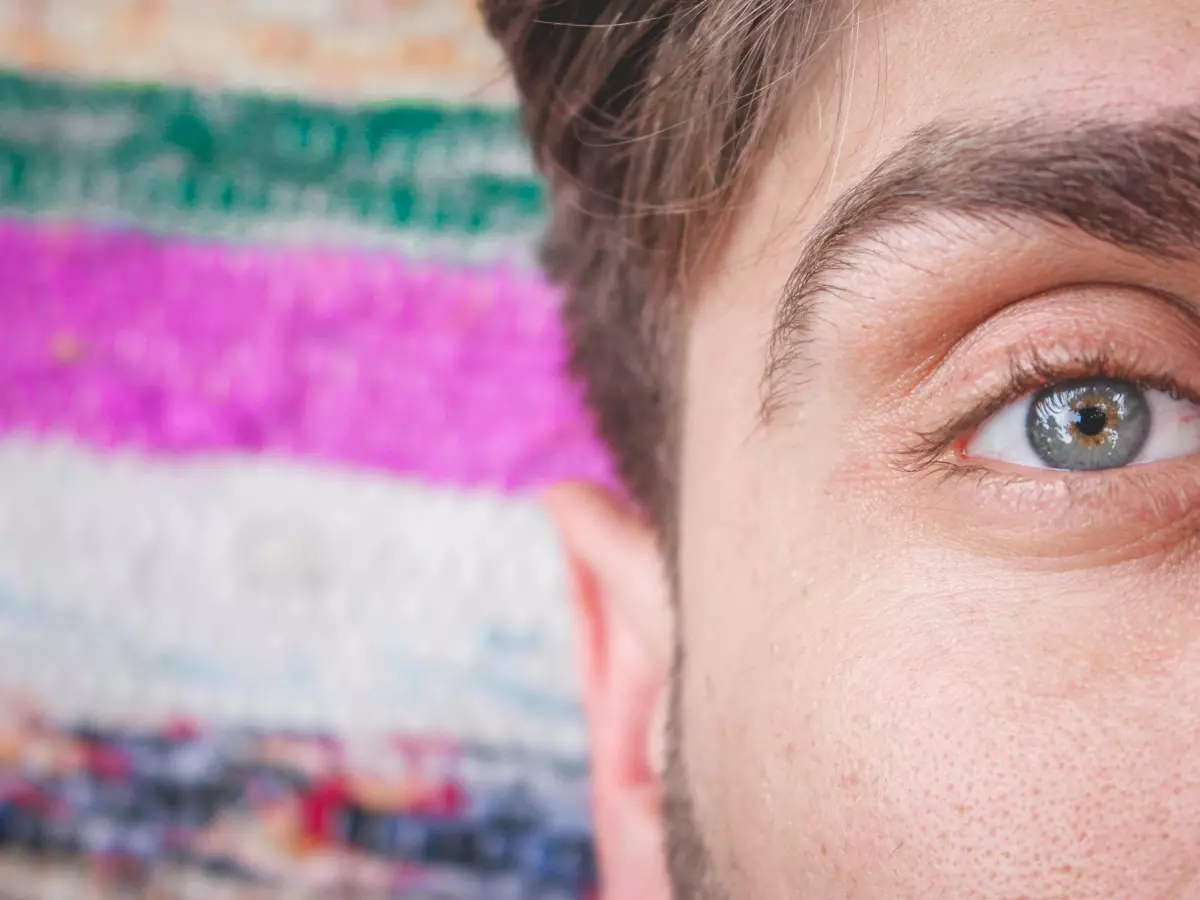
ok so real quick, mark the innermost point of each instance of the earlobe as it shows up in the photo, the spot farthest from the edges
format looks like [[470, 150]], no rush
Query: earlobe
[[623, 626]]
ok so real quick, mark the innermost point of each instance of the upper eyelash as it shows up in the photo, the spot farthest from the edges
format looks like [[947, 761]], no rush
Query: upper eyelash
[[1029, 371]]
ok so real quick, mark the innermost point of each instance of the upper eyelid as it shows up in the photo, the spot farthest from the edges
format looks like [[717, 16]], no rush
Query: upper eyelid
[[1096, 343], [1190, 311]]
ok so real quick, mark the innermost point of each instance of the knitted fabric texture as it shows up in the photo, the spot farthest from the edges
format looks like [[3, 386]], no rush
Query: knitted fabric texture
[[279, 614]]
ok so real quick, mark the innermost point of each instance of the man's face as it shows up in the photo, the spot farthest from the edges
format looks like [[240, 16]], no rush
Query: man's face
[[939, 569]]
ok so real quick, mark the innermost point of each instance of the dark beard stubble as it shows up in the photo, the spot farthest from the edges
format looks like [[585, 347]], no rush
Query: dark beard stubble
[[689, 861]]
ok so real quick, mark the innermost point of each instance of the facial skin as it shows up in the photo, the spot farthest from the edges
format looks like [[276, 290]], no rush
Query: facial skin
[[914, 665]]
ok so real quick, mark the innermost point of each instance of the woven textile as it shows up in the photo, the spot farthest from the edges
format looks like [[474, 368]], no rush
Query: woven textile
[[279, 612]]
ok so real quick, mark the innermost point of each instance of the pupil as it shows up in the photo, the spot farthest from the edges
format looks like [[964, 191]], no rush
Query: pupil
[[1091, 420]]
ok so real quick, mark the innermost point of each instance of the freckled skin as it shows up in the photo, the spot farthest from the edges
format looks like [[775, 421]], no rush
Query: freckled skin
[[892, 687]]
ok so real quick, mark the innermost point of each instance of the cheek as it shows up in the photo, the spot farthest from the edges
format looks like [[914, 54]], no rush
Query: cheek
[[989, 790], [846, 742]]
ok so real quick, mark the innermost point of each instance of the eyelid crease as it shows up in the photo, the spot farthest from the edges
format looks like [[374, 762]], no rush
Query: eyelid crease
[[929, 367]]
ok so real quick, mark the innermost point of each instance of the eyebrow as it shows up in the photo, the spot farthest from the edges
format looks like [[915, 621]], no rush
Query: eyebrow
[[1135, 185]]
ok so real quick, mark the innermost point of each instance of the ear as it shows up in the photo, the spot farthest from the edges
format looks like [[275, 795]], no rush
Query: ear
[[623, 627]]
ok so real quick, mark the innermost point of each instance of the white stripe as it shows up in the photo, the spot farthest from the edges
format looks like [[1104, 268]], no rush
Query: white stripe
[[262, 593]]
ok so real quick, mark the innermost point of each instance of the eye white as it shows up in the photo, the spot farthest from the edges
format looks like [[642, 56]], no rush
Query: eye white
[[1174, 433]]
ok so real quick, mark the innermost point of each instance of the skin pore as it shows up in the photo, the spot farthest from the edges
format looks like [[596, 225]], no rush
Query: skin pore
[[910, 669]]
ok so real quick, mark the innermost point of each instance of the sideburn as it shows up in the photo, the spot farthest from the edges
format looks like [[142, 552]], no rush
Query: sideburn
[[689, 859]]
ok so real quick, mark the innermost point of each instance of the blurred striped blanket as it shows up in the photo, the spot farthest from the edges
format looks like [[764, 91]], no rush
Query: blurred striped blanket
[[278, 383]]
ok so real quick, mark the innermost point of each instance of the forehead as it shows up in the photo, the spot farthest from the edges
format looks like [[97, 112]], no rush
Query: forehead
[[904, 65], [914, 61]]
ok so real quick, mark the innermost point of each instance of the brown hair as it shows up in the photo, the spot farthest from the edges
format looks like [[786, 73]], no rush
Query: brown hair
[[645, 116]]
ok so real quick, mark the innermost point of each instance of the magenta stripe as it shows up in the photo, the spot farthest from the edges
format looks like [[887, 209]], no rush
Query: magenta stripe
[[360, 358]]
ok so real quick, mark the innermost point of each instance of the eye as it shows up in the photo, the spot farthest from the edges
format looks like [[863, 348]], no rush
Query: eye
[[1089, 424]]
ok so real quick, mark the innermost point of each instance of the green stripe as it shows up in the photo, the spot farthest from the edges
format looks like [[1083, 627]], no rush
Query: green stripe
[[181, 160]]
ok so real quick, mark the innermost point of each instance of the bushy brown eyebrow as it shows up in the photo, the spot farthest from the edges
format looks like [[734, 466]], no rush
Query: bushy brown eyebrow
[[1135, 185]]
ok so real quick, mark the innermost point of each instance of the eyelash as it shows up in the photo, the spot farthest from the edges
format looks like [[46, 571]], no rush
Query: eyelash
[[1029, 372]]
